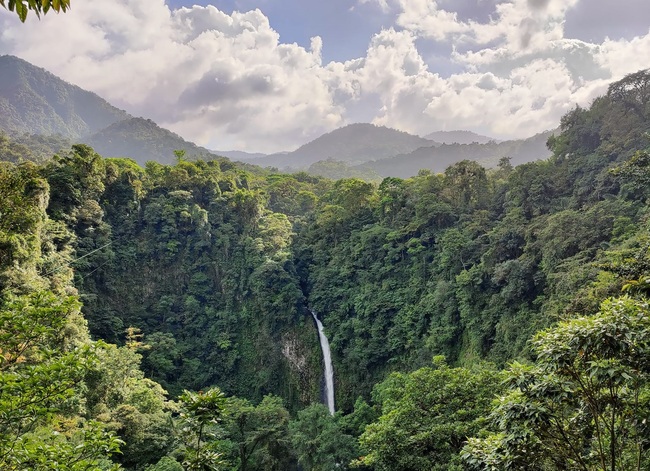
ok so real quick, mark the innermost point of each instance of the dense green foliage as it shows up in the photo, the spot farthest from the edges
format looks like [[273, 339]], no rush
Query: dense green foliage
[[31, 147], [45, 353], [470, 263], [257, 437], [584, 405], [191, 256], [11, 151], [320, 440], [200, 275], [427, 416]]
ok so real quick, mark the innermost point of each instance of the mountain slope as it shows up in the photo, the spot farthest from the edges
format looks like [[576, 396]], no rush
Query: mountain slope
[[142, 140], [439, 158], [35, 105], [458, 137], [35, 101], [355, 143], [239, 155]]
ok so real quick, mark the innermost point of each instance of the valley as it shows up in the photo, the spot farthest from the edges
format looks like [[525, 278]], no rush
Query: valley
[[484, 306]]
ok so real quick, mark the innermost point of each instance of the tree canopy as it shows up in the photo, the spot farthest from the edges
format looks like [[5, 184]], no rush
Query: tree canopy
[[201, 275], [585, 403]]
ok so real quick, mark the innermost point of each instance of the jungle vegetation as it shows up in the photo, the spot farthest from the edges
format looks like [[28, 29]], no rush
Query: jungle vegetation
[[156, 318]]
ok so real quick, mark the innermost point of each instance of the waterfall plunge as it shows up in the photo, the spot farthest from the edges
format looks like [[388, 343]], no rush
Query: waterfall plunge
[[327, 359]]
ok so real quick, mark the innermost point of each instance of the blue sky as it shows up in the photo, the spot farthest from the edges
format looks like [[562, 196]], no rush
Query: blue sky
[[344, 25], [270, 75]]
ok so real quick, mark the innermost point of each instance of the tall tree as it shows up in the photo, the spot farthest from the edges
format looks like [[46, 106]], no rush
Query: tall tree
[[584, 405], [427, 416], [320, 442], [257, 437], [200, 412]]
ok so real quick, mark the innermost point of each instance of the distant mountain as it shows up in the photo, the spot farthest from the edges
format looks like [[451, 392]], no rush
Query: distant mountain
[[143, 140], [42, 112], [336, 170], [34, 101], [458, 137], [35, 105], [353, 144], [438, 158], [239, 155]]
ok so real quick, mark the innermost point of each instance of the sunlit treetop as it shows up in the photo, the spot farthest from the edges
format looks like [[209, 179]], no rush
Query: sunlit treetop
[[21, 7]]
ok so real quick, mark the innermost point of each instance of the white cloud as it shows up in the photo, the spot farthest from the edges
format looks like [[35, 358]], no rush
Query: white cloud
[[394, 71], [227, 81], [425, 18], [624, 57], [383, 4], [521, 72], [515, 27], [221, 80]]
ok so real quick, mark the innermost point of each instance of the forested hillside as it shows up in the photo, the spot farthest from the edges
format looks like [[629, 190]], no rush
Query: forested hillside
[[35, 101], [355, 143], [143, 140], [437, 158], [471, 263], [204, 273], [45, 115]]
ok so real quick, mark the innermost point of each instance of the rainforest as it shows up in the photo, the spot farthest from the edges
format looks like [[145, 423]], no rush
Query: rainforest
[[159, 317]]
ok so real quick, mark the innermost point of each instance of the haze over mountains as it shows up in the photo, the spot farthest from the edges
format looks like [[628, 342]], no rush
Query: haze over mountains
[[373, 152], [458, 137], [438, 158], [34, 101], [353, 144], [142, 140]]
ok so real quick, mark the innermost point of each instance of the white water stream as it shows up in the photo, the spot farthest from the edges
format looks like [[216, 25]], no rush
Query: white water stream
[[327, 359]]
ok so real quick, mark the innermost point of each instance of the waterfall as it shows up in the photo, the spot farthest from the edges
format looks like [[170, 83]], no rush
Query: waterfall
[[327, 359]]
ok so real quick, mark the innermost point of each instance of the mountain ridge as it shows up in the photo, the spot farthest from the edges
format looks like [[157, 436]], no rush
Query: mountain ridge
[[354, 143], [458, 137], [438, 158], [36, 101], [143, 140]]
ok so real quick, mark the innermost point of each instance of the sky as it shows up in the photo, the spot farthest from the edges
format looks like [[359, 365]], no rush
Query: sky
[[270, 75]]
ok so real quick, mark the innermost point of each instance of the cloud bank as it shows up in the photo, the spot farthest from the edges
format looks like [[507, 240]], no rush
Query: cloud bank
[[227, 81]]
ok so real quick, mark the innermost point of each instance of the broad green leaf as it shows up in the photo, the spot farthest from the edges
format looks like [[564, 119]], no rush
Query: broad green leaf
[[21, 9]]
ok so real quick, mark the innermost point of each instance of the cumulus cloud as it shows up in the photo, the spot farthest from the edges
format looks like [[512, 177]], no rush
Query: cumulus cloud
[[520, 68], [221, 80], [517, 26], [227, 80], [623, 56], [383, 4]]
